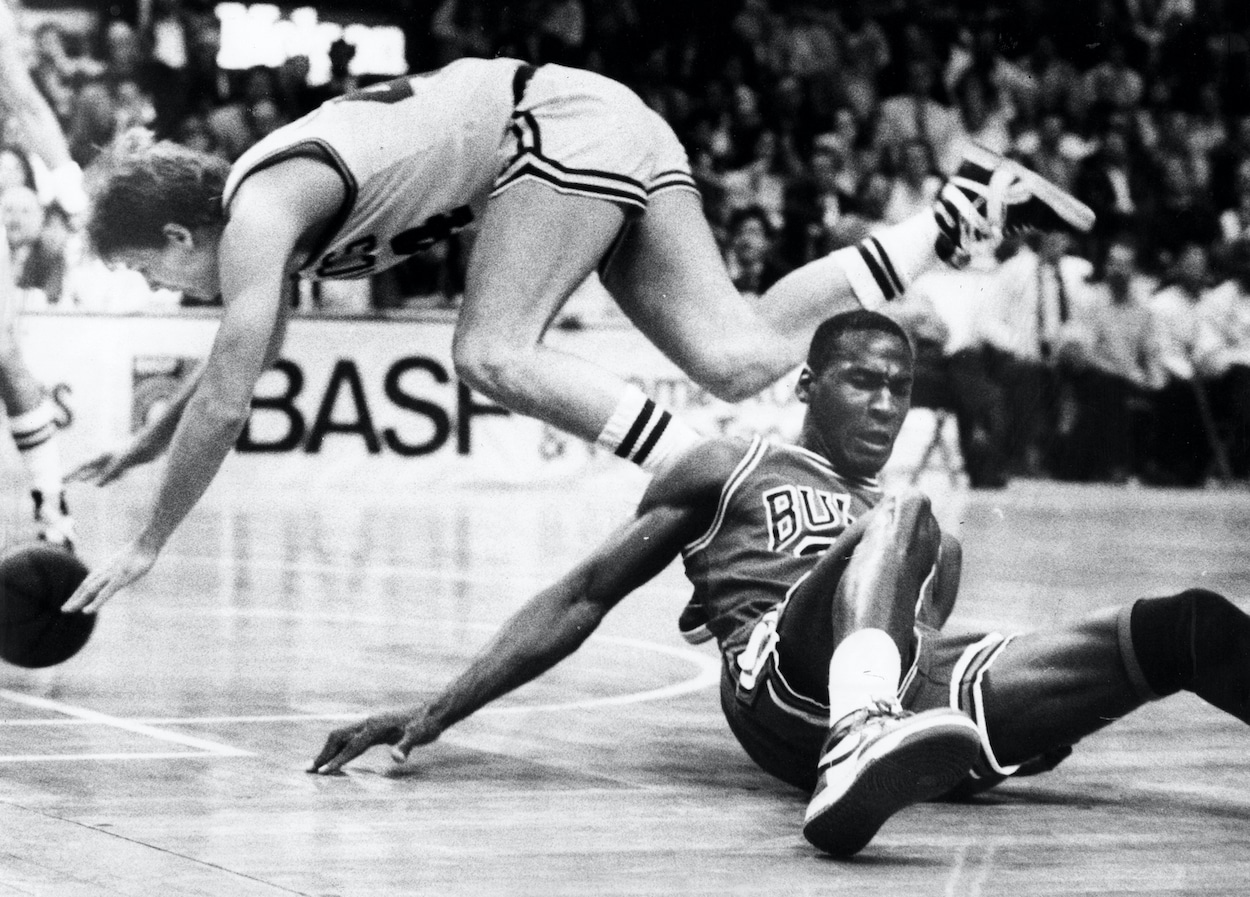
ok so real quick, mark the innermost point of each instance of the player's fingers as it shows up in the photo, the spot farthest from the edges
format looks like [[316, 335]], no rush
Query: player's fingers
[[86, 472], [349, 751], [334, 743], [82, 596]]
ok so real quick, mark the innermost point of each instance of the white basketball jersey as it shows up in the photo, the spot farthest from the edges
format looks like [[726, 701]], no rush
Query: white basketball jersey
[[418, 157]]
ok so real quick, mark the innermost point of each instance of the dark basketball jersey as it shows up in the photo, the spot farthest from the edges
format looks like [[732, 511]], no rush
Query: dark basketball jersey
[[782, 507]]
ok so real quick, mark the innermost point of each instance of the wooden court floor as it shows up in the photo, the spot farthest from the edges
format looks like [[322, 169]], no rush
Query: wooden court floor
[[168, 757]]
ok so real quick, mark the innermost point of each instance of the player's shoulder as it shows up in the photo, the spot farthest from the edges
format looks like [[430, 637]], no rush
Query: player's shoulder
[[699, 473]]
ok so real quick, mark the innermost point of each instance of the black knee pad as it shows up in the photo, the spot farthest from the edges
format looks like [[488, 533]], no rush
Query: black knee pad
[[1198, 641]]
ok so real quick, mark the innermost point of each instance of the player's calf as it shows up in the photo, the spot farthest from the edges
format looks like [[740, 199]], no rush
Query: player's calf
[[1198, 641]]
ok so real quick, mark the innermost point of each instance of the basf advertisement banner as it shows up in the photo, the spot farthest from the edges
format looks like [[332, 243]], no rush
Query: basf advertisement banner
[[357, 400]]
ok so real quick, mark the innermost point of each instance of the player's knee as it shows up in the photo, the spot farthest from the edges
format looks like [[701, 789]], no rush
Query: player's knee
[[905, 518], [495, 369]]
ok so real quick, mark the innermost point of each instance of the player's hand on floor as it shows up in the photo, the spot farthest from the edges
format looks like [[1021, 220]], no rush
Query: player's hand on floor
[[405, 729], [106, 582]]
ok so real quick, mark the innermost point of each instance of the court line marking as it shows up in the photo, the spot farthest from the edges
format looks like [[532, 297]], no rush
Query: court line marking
[[707, 675], [201, 744], [50, 758]]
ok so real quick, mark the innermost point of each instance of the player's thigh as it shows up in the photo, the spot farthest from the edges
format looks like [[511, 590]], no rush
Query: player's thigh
[[669, 278], [534, 247]]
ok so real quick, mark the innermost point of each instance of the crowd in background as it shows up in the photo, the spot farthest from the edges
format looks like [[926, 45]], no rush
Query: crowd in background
[[1122, 355]]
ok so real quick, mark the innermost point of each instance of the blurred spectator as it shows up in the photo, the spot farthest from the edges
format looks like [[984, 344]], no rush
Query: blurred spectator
[[1180, 452], [985, 118], [1029, 315], [916, 184], [15, 168], [1052, 150], [38, 264], [1115, 183], [1114, 367], [1179, 213], [866, 212], [945, 312], [749, 258], [1222, 354], [918, 114], [761, 181], [1113, 83], [1235, 220]]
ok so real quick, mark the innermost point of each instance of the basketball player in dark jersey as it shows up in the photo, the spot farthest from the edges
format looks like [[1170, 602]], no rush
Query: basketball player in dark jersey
[[827, 600]]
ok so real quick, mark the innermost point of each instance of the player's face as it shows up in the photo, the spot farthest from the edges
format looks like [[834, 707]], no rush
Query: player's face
[[186, 264], [857, 406]]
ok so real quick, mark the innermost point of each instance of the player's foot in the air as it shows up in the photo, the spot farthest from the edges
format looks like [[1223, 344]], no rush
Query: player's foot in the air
[[991, 197], [879, 760], [53, 521]]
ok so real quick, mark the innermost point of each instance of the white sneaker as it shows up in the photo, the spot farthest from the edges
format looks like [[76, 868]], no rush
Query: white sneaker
[[879, 760]]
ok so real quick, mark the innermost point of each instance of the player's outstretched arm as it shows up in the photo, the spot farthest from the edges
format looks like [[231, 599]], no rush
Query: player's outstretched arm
[[677, 508], [268, 221]]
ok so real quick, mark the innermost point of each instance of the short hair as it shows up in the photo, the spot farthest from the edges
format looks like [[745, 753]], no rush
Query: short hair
[[825, 342], [138, 186]]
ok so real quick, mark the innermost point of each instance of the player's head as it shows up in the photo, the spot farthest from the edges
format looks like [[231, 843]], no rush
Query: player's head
[[857, 386], [157, 208]]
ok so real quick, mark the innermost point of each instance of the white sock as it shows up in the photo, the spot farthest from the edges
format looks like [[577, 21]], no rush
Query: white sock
[[641, 431], [865, 667], [882, 266], [34, 432]]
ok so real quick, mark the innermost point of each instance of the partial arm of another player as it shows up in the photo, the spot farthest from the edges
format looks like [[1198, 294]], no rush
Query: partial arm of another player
[[677, 508], [20, 96]]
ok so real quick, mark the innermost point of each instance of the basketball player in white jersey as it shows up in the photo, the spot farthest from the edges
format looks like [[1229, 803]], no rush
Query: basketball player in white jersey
[[558, 172]]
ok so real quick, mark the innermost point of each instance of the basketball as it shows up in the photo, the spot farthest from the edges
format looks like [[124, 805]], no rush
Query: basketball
[[35, 580]]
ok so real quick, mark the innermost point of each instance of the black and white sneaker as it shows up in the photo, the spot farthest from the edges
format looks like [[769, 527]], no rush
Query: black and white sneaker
[[53, 522], [991, 197], [878, 760]]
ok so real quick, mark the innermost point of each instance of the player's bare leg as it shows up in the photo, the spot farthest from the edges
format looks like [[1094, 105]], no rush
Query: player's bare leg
[[32, 419], [1047, 690], [534, 248], [668, 276]]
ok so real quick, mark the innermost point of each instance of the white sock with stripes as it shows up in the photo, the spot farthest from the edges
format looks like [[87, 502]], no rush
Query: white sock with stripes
[[34, 432], [865, 667], [882, 266], [641, 431]]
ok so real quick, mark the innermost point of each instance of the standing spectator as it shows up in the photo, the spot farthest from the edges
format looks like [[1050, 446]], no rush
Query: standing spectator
[[1223, 356], [1179, 213], [1028, 316], [1114, 182], [1114, 368], [1180, 451]]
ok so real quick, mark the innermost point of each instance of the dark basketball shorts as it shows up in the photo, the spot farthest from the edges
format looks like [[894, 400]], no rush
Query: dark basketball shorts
[[784, 731]]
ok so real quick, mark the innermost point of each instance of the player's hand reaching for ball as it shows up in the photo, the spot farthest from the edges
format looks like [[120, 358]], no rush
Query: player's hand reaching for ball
[[405, 729], [104, 583]]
